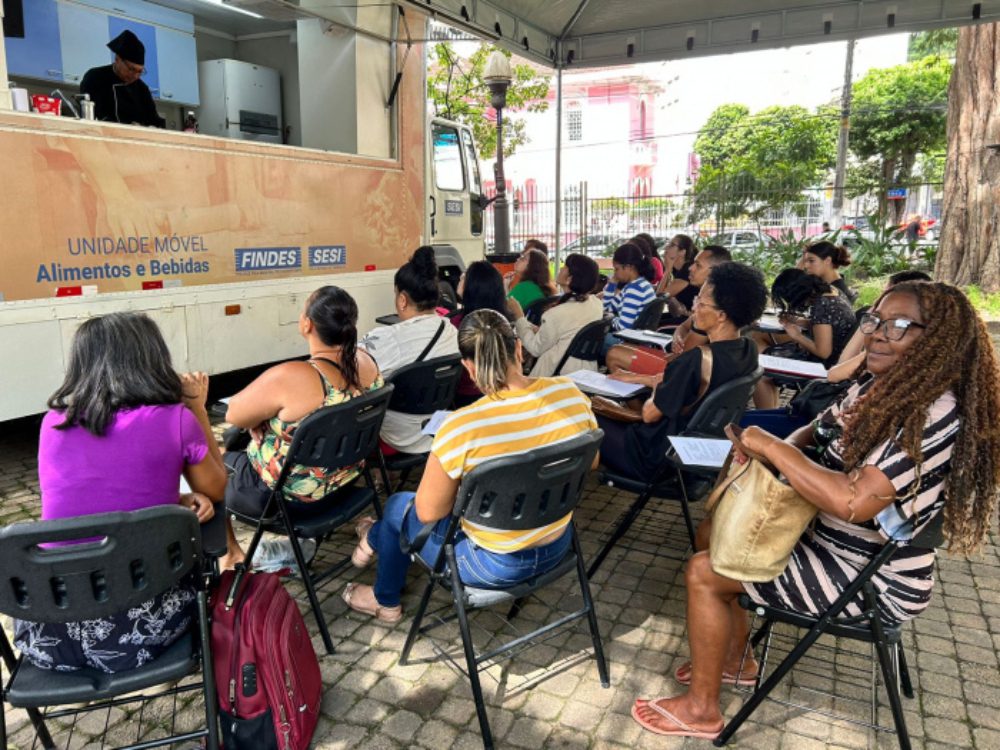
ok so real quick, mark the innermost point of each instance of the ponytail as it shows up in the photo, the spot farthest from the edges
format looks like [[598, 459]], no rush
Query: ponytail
[[631, 254], [839, 255], [486, 338], [334, 314]]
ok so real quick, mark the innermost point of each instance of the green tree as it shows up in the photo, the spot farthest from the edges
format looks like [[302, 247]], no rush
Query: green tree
[[941, 42], [751, 164], [899, 113], [457, 91]]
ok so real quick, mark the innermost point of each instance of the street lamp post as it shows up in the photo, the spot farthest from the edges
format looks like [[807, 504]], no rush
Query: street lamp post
[[498, 77]]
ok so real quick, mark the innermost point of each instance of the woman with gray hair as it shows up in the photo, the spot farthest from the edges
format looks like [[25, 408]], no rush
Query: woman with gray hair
[[516, 414]]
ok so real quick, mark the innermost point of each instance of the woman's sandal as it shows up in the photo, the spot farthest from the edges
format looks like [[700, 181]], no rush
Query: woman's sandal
[[363, 554], [388, 615], [683, 676], [678, 728]]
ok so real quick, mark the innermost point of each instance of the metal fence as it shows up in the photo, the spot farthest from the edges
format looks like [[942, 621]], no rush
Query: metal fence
[[592, 223]]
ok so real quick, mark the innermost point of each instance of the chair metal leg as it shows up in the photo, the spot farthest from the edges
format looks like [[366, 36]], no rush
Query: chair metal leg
[[888, 675], [386, 484], [300, 561], [208, 675], [41, 731], [770, 683], [619, 532], [904, 671], [588, 603], [470, 654], [411, 637], [515, 608], [686, 507]]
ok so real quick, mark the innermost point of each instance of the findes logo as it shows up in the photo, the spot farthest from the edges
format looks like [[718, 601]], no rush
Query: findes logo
[[250, 259]]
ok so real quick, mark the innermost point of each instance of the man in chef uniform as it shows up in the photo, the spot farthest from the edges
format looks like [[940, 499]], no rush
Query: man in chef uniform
[[117, 90]]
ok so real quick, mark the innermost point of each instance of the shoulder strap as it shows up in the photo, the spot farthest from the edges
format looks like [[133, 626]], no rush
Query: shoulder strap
[[327, 385], [706, 378], [430, 344]]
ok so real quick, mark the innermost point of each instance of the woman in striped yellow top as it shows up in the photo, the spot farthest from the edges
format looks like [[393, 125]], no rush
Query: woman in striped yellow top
[[516, 415]]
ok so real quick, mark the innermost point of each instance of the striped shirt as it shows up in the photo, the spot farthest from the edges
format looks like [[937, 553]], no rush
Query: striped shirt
[[625, 307], [548, 411]]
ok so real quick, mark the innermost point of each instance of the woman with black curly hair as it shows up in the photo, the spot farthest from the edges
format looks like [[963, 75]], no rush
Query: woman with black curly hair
[[920, 436]]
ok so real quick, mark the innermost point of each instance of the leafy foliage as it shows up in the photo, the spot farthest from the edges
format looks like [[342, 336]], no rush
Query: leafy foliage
[[899, 113], [456, 89], [941, 42], [751, 164]]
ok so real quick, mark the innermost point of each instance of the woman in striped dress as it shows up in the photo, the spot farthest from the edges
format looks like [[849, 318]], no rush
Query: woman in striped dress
[[920, 436], [629, 289], [517, 414]]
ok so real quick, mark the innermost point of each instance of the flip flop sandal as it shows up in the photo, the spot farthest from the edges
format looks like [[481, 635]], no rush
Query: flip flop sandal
[[363, 554], [683, 676], [682, 729], [388, 615]]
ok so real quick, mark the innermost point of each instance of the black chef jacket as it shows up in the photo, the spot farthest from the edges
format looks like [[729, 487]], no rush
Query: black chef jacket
[[116, 101]]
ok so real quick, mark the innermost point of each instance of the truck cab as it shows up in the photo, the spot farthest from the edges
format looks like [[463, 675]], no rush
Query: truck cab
[[455, 217]]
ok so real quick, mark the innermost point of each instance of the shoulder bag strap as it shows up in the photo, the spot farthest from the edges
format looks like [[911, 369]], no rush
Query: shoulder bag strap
[[706, 378], [430, 345], [726, 477]]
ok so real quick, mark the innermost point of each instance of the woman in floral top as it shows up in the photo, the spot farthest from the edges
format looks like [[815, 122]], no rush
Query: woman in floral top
[[274, 404]]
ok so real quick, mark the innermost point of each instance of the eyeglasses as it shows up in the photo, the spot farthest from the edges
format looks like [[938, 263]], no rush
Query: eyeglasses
[[893, 328], [137, 70], [699, 302]]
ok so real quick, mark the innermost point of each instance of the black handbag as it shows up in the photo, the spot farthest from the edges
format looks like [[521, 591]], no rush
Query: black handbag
[[817, 395]]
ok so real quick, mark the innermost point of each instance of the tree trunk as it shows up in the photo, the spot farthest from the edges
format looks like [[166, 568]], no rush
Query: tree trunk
[[970, 222]]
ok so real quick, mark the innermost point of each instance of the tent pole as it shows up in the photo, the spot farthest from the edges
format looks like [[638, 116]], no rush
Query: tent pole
[[559, 129]]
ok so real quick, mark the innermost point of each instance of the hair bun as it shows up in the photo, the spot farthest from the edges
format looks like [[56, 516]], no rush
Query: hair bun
[[843, 257], [424, 262]]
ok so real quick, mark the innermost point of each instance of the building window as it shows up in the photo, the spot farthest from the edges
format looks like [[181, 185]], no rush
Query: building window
[[574, 124]]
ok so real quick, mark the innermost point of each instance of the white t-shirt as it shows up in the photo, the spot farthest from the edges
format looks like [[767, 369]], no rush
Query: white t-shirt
[[399, 345]]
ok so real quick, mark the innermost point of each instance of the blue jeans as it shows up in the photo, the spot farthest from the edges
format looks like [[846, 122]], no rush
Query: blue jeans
[[476, 566]]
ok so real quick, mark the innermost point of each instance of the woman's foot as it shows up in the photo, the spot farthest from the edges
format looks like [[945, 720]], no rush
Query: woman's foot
[[676, 717], [730, 675], [361, 598], [232, 559], [363, 553]]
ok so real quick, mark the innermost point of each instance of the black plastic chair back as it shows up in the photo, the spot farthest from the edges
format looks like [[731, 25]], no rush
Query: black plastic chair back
[[134, 556], [533, 312], [649, 316], [586, 344], [723, 406], [338, 436], [426, 387], [528, 490]]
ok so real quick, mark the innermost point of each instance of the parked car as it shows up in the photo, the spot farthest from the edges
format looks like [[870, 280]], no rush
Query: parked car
[[593, 245], [741, 239]]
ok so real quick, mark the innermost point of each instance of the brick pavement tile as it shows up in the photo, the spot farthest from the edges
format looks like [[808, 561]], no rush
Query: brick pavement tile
[[564, 739], [436, 734], [580, 716], [938, 705], [948, 731], [541, 705], [528, 732], [792, 741], [986, 739], [984, 716], [368, 712], [988, 695], [339, 737], [401, 726]]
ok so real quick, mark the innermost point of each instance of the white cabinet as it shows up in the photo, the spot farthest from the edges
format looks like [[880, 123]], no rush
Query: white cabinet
[[82, 33], [178, 66]]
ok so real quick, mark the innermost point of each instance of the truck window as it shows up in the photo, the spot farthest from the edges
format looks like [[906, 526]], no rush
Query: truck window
[[475, 186], [448, 173]]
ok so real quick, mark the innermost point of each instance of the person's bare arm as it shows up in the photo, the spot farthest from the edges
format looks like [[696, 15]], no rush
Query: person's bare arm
[[436, 493], [845, 369], [821, 343], [854, 498], [209, 475], [261, 400]]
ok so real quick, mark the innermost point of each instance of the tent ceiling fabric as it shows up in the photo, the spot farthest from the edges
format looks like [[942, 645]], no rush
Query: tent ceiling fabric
[[599, 32]]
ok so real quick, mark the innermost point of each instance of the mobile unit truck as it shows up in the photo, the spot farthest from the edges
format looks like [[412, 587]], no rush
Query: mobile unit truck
[[221, 241]]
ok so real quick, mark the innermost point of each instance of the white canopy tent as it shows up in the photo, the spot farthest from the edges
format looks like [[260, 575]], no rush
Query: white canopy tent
[[599, 33]]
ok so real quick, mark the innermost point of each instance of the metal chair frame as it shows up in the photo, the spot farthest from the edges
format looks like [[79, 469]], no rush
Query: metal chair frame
[[514, 492], [333, 437], [586, 344]]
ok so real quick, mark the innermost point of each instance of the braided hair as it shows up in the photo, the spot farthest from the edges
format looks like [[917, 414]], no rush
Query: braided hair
[[955, 354]]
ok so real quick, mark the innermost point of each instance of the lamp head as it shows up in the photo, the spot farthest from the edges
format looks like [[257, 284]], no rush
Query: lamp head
[[498, 76]]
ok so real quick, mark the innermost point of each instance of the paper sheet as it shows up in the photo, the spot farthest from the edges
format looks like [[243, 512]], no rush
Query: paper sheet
[[701, 451], [435, 422], [650, 338], [770, 323], [589, 381], [792, 366]]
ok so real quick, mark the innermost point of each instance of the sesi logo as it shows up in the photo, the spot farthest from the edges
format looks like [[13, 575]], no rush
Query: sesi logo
[[256, 259], [326, 256]]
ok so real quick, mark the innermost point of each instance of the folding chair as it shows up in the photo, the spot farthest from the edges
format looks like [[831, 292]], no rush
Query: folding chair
[[420, 388], [649, 316], [720, 407], [333, 437], [866, 627], [523, 491], [134, 557], [586, 344]]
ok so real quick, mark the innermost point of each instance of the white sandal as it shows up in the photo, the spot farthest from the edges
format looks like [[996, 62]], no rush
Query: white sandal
[[388, 615]]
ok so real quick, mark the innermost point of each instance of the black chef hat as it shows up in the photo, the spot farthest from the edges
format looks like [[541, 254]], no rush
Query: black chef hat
[[128, 47]]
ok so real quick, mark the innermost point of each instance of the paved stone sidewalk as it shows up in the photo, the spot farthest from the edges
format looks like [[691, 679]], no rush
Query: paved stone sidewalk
[[371, 701]]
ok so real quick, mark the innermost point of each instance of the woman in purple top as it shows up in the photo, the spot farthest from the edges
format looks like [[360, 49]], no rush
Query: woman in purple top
[[121, 431]]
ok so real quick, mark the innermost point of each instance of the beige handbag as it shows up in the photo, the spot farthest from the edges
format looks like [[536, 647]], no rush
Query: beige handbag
[[756, 522]]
